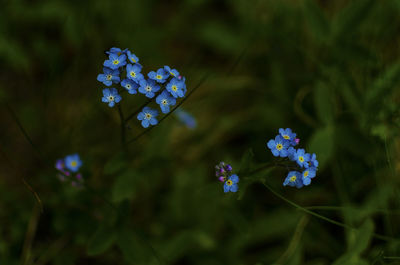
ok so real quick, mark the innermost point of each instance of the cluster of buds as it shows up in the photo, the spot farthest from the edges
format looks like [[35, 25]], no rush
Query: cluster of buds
[[68, 170], [222, 171]]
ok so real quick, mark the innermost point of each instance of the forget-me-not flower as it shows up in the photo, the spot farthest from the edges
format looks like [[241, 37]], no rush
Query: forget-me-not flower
[[279, 146], [293, 179], [111, 96], [308, 174], [172, 72], [288, 135], [302, 158], [115, 61], [73, 162], [109, 76], [148, 117], [176, 87], [160, 76], [231, 184], [132, 57], [186, 118], [165, 100], [148, 87], [130, 86], [133, 72]]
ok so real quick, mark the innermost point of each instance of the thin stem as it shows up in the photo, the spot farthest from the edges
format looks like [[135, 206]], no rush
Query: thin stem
[[123, 127], [379, 236], [177, 106]]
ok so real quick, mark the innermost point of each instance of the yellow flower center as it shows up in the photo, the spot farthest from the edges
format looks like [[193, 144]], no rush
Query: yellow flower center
[[128, 86], [305, 174], [148, 88], [133, 59], [74, 163], [111, 98], [133, 74], [293, 179], [174, 88], [172, 73], [115, 62], [279, 147], [158, 76], [164, 102], [229, 183], [286, 137], [148, 116], [109, 77], [301, 159]]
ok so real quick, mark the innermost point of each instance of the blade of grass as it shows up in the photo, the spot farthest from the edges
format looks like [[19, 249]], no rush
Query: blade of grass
[[378, 236]]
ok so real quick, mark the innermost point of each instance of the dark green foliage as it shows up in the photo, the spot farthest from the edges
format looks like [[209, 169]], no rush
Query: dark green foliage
[[330, 70]]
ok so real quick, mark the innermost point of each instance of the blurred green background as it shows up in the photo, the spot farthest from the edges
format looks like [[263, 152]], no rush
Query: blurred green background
[[330, 70]]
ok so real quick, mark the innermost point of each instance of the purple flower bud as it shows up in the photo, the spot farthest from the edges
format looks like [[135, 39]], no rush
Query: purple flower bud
[[222, 171], [228, 168], [222, 179], [297, 140], [79, 176], [60, 164]]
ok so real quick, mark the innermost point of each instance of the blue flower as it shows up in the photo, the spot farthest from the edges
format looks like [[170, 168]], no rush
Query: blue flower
[[308, 174], [177, 88], [133, 72], [111, 96], [288, 135], [165, 101], [172, 72], [73, 162], [148, 117], [313, 161], [114, 61], [132, 57], [116, 51], [278, 146], [291, 151], [231, 184], [130, 85], [301, 157], [160, 76], [186, 118], [148, 87], [109, 76], [293, 179]]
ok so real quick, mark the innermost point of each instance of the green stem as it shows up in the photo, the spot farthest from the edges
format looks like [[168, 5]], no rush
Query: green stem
[[382, 237], [123, 126]]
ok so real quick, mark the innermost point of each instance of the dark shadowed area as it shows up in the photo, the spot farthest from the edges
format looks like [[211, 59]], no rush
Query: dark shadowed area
[[329, 70]]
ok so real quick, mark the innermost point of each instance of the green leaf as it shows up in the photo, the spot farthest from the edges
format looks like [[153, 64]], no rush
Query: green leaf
[[101, 240], [131, 247], [383, 84], [124, 186], [361, 238], [358, 242], [245, 164], [323, 100], [322, 144], [351, 17], [317, 21]]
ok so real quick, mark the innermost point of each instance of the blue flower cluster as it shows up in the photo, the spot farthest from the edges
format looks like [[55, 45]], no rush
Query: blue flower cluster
[[307, 164], [224, 174], [122, 67], [69, 168]]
